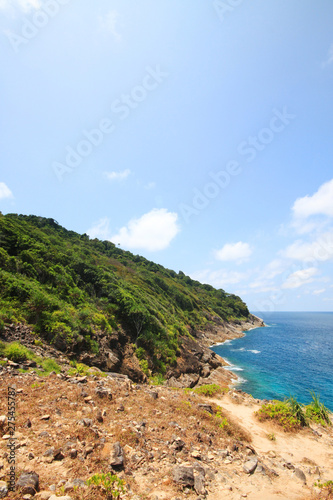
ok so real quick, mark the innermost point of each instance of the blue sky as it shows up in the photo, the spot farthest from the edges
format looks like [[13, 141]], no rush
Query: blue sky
[[197, 134]]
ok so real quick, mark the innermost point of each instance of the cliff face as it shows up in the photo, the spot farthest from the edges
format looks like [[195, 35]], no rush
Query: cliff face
[[220, 331], [199, 364]]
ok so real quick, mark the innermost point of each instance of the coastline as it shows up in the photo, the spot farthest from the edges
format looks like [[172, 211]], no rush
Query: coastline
[[237, 379], [220, 334]]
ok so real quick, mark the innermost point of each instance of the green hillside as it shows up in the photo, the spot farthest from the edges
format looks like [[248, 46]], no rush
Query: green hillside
[[71, 289]]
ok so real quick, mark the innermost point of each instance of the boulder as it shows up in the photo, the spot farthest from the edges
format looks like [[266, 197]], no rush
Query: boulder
[[28, 482], [178, 444], [206, 407], [183, 475], [117, 455], [102, 392], [199, 484], [300, 475], [250, 466]]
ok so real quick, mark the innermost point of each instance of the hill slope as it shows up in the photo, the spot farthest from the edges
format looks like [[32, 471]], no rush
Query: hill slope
[[106, 306]]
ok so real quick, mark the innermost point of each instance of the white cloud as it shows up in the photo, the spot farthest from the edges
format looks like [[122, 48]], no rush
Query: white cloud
[[100, 229], [320, 203], [274, 268], [329, 59], [220, 278], [318, 292], [5, 192], [319, 250], [153, 231], [24, 5], [109, 24], [300, 278], [117, 176], [238, 252]]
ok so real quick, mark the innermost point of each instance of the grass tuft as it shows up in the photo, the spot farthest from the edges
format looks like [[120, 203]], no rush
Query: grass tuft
[[209, 390]]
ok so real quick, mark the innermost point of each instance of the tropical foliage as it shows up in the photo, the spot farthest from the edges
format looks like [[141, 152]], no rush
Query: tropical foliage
[[71, 288]]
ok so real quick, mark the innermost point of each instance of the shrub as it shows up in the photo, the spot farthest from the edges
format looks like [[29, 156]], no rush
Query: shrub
[[291, 415], [281, 413], [78, 369], [297, 410], [144, 367], [140, 353], [326, 488], [2, 348], [157, 379], [17, 352], [111, 484], [49, 365], [317, 412], [209, 389]]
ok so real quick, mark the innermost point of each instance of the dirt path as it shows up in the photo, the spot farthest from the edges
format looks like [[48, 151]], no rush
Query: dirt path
[[306, 451]]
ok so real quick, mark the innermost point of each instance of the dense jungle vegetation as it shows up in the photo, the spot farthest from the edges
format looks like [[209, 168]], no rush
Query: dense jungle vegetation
[[67, 286]]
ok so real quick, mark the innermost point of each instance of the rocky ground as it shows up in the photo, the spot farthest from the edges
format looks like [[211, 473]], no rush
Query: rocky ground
[[165, 443]]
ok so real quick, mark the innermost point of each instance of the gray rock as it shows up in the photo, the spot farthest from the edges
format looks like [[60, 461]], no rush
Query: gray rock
[[73, 453], [3, 489], [101, 392], [183, 475], [28, 482], [88, 451], [44, 434], [205, 371], [206, 407], [79, 483], [112, 361], [30, 364], [261, 470], [199, 468], [199, 484], [250, 466], [58, 454], [117, 456], [87, 422], [300, 475], [178, 444]]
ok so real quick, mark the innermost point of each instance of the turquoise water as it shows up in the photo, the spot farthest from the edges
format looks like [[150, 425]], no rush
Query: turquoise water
[[291, 356]]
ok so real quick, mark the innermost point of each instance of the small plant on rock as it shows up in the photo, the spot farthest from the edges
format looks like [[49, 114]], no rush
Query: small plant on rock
[[111, 484]]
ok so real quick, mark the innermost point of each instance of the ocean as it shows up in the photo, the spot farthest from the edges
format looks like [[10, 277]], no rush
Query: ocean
[[292, 355]]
